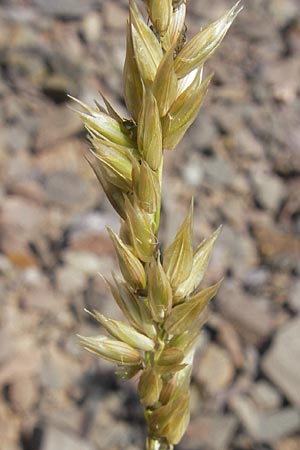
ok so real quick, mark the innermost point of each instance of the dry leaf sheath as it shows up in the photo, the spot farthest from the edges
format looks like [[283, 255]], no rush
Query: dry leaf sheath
[[164, 90]]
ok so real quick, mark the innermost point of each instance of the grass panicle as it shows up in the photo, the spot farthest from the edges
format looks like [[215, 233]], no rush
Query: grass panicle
[[159, 294]]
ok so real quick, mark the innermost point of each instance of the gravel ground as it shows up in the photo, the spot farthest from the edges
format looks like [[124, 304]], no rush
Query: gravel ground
[[240, 161]]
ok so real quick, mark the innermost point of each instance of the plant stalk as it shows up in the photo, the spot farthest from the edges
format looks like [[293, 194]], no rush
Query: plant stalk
[[158, 444], [158, 293]]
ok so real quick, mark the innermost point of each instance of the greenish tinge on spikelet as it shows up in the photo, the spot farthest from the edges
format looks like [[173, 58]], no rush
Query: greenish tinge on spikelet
[[159, 294]]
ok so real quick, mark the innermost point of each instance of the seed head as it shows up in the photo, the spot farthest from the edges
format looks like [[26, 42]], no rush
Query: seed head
[[184, 316], [178, 258], [149, 134], [112, 350], [203, 45], [149, 387], [160, 12], [124, 332], [131, 267], [159, 291], [163, 90], [147, 51]]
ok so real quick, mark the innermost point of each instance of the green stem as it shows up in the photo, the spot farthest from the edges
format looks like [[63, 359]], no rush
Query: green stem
[[158, 444]]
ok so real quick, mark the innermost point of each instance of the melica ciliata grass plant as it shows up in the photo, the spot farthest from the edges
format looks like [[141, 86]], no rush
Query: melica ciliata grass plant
[[158, 294]]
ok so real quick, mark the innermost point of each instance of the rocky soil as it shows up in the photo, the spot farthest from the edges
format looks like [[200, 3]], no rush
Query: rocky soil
[[240, 161]]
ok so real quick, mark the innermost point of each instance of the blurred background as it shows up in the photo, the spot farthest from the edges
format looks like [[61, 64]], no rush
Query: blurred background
[[240, 161]]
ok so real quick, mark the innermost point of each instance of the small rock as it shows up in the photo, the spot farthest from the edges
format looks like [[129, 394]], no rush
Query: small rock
[[282, 362], [25, 216], [58, 86], [215, 370], [70, 280], [64, 189], [284, 13], [24, 362], [24, 394], [8, 346], [291, 207], [87, 263], [265, 427], [252, 317], [247, 144], [286, 155], [265, 396], [213, 432], [15, 138], [218, 172], [283, 79], [292, 443], [235, 251], [97, 296], [21, 221], [29, 189], [57, 124], [203, 134], [9, 428], [278, 248], [115, 16], [255, 280], [43, 298], [91, 27], [89, 234], [231, 341], [196, 400], [294, 296], [269, 190], [67, 179], [192, 172], [18, 252], [54, 438], [58, 369], [97, 243], [27, 64], [68, 9], [5, 266], [94, 222], [66, 417], [106, 433]]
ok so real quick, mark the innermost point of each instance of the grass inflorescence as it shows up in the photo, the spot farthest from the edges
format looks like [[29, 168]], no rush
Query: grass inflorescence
[[158, 294]]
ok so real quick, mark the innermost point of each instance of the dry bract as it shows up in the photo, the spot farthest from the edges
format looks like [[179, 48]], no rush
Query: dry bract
[[131, 267], [124, 332], [149, 131], [159, 291], [163, 92], [178, 258]]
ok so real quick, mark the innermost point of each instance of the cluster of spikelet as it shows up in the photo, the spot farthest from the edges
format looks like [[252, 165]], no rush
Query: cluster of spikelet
[[163, 89]]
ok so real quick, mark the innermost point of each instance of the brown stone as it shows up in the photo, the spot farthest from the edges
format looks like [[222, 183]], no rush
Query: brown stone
[[213, 432], [23, 362], [263, 426], [265, 396], [282, 361], [215, 370], [24, 394], [231, 341], [251, 316], [9, 428], [292, 443], [115, 17], [273, 242], [57, 124], [55, 438]]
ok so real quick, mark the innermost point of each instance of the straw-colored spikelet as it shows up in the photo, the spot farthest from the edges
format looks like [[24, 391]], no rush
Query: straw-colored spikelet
[[159, 296]]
